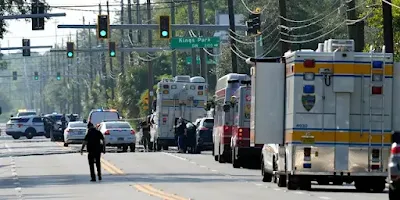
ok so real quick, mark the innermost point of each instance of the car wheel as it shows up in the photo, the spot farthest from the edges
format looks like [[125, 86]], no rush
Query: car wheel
[[132, 147], [30, 132], [65, 144], [16, 137]]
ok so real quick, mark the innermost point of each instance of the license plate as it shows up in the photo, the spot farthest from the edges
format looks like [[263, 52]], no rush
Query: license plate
[[120, 139], [307, 140]]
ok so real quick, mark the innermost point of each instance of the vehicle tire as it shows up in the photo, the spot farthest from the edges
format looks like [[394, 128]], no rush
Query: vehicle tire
[[323, 182], [47, 135], [30, 132], [16, 137], [281, 182], [266, 176], [291, 183], [235, 162], [361, 186], [132, 147], [378, 186], [159, 147], [125, 148], [393, 194], [65, 144], [165, 147], [337, 182], [220, 157], [197, 149]]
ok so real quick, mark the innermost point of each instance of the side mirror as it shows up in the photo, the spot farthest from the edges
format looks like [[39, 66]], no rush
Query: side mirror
[[227, 107], [85, 121], [11, 115]]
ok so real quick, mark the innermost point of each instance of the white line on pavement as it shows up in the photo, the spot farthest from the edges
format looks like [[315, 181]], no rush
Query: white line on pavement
[[324, 197], [178, 157]]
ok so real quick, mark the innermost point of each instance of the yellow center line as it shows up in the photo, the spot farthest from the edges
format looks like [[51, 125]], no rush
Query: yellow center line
[[111, 167], [158, 193]]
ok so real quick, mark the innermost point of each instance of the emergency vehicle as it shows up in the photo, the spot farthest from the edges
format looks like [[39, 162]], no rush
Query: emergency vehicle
[[325, 116], [223, 115], [242, 153], [182, 96]]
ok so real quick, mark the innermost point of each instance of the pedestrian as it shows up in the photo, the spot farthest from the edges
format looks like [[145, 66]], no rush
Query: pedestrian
[[72, 118], [63, 122], [94, 140], [146, 125], [180, 131]]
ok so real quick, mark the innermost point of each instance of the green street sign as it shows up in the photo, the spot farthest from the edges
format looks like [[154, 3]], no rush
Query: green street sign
[[194, 42], [189, 60]]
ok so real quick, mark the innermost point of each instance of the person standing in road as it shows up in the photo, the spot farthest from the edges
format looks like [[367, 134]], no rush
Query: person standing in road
[[180, 130], [146, 125], [94, 140], [63, 122]]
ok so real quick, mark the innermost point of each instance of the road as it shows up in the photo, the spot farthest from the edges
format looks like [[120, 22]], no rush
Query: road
[[40, 169]]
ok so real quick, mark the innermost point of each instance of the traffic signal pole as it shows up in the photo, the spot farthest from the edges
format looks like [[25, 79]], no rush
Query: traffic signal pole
[[194, 61], [388, 26], [173, 67], [111, 81], [149, 64]]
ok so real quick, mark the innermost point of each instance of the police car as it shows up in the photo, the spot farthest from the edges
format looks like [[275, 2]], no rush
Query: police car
[[118, 133], [28, 126], [98, 115]]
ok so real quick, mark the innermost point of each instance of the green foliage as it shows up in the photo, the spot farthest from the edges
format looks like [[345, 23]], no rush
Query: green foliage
[[374, 27]]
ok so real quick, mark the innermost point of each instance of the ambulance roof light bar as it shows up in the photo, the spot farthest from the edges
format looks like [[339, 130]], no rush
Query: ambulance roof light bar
[[334, 45]]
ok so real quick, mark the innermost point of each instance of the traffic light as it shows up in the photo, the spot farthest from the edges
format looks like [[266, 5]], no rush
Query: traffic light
[[70, 49], [165, 27], [103, 27], [111, 49], [36, 77], [58, 76], [37, 23], [254, 24], [15, 75], [26, 51]]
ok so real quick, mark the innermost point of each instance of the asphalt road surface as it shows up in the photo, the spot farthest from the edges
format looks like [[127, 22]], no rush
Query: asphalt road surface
[[40, 169]]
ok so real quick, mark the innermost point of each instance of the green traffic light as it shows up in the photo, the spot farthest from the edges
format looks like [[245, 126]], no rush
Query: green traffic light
[[112, 53], [58, 78], [36, 78], [103, 33], [164, 33], [70, 54]]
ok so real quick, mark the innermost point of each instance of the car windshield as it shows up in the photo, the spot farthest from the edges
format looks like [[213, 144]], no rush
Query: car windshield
[[208, 123], [117, 125], [26, 114], [98, 117], [77, 125], [19, 120], [56, 118]]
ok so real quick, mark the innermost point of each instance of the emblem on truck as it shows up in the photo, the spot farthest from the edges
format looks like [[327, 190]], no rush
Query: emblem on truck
[[308, 101]]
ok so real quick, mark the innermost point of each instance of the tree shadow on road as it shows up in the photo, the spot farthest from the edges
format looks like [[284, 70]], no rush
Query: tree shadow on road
[[81, 179]]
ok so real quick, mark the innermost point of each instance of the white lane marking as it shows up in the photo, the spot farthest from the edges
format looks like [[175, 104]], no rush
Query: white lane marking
[[277, 189], [178, 157], [8, 147], [202, 166], [259, 184], [213, 170], [299, 192], [192, 162], [324, 197]]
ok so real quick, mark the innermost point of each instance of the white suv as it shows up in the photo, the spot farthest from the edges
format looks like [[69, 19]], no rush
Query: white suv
[[28, 126], [118, 134]]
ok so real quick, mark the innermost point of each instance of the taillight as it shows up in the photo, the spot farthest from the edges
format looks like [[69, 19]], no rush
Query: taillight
[[395, 150], [309, 63], [375, 167], [132, 132], [240, 131], [226, 128], [107, 132]]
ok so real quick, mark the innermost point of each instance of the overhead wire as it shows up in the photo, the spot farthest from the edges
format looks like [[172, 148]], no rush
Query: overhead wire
[[251, 11], [308, 20], [393, 5]]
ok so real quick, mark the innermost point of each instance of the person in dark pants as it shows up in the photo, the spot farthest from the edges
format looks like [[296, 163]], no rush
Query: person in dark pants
[[94, 140], [180, 130], [145, 125]]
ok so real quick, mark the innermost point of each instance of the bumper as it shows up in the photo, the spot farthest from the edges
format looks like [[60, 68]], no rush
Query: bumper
[[167, 141], [110, 141], [18, 133], [249, 151], [342, 174], [74, 140]]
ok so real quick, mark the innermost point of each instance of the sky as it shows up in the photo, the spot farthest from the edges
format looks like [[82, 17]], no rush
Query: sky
[[19, 29]]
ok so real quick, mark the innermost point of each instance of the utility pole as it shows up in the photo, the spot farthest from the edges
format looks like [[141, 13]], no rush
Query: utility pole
[[203, 57], [77, 63], [258, 41], [90, 57], [194, 61], [150, 67], [173, 67], [122, 54], [130, 31], [388, 26], [232, 35], [282, 12], [352, 27], [111, 81], [138, 20], [104, 67]]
